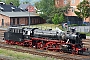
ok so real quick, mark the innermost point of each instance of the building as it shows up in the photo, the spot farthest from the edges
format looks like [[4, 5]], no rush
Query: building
[[19, 18], [71, 14], [27, 7], [12, 8], [11, 15]]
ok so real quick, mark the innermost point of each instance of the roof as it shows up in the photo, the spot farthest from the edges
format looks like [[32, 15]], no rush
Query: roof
[[23, 6], [19, 14], [9, 8]]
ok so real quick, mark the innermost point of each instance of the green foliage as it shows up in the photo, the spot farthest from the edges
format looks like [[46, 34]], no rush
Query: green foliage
[[58, 19], [25, 1], [66, 8], [45, 6], [2, 0], [49, 10], [88, 34], [49, 21], [61, 18], [15, 2], [55, 20], [84, 9]]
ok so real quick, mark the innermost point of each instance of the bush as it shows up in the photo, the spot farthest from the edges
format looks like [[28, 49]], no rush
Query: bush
[[49, 21]]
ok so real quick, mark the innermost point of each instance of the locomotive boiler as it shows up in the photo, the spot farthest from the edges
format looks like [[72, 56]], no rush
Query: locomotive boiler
[[54, 40]]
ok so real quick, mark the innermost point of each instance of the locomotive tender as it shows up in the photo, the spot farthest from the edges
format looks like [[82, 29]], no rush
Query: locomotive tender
[[54, 40]]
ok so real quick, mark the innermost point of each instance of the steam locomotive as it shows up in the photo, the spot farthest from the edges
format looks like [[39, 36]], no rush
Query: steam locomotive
[[54, 40]]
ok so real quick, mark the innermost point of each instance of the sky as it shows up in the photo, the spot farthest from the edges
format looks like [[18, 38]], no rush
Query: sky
[[31, 1]]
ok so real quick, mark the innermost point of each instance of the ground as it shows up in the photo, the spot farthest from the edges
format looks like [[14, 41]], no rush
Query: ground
[[13, 55]]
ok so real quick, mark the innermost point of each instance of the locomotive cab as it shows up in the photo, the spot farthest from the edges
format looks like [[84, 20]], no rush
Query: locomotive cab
[[14, 33]]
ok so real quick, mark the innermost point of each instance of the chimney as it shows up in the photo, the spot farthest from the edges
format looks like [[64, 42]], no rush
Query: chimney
[[11, 3], [1, 9], [21, 9], [13, 9], [2, 3]]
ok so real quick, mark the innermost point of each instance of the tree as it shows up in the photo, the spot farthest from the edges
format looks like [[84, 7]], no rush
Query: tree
[[84, 10], [15, 2], [49, 10], [25, 2], [55, 20], [0, 0], [61, 18], [58, 18], [45, 6]]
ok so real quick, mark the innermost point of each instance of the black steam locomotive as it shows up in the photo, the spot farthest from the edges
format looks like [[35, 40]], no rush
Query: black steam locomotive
[[54, 40]]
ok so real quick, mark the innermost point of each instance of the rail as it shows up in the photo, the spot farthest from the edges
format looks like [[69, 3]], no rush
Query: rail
[[64, 56]]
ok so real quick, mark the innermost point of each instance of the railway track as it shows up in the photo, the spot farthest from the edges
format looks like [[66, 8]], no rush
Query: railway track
[[58, 55]]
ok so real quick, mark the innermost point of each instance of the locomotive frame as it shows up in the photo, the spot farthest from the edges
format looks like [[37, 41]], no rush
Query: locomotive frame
[[45, 39]]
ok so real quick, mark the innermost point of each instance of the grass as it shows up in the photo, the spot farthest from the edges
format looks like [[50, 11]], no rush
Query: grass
[[22, 56], [88, 34]]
